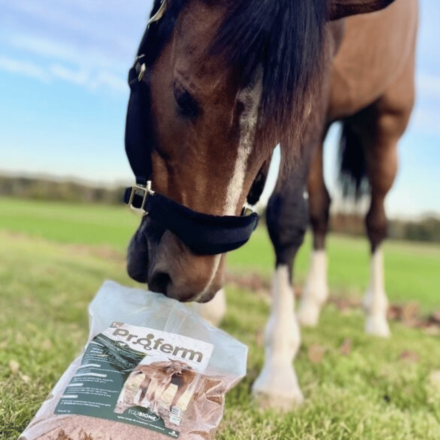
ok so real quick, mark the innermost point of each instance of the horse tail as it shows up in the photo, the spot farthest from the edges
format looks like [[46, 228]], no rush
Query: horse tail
[[352, 163]]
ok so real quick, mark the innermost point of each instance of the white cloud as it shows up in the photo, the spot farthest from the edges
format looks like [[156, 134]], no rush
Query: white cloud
[[24, 68], [87, 43], [52, 49], [79, 77]]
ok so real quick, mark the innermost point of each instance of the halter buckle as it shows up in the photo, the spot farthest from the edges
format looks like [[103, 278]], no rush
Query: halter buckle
[[247, 210], [142, 71], [140, 190]]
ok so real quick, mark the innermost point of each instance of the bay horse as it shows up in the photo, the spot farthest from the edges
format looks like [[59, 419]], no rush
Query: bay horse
[[227, 81], [158, 377]]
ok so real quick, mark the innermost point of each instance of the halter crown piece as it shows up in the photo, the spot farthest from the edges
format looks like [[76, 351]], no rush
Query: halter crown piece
[[202, 233]]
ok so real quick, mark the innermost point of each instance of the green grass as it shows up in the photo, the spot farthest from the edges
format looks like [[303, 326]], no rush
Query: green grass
[[54, 257], [69, 223], [412, 270]]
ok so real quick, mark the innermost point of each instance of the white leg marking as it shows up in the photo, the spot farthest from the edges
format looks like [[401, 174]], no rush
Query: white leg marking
[[136, 398], [375, 301], [121, 396], [250, 98], [315, 291], [277, 385], [213, 311]]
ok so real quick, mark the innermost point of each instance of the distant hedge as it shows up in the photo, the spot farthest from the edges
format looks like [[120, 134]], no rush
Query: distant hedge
[[46, 189], [427, 229]]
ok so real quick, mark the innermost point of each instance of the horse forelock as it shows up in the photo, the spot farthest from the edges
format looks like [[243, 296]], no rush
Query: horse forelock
[[285, 38]]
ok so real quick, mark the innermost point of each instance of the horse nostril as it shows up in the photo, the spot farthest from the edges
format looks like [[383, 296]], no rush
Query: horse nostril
[[137, 274], [159, 282]]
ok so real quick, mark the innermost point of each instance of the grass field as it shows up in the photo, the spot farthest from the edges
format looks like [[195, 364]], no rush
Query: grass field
[[54, 257]]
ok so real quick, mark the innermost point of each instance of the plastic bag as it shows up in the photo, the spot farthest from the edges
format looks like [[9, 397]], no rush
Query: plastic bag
[[152, 369]]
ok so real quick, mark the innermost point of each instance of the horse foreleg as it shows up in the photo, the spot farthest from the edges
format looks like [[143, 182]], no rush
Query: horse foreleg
[[152, 390], [277, 384], [287, 217], [161, 388], [180, 392], [136, 398], [143, 389]]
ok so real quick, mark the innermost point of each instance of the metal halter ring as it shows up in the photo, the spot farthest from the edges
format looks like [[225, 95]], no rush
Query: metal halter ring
[[247, 210], [141, 191], [160, 12]]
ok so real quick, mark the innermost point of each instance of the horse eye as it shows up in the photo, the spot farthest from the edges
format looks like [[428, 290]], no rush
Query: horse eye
[[187, 105]]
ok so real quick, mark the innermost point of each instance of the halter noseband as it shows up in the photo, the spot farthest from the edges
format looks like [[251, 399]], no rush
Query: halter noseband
[[204, 234]]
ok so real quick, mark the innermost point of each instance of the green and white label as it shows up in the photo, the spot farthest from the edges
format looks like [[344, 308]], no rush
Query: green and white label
[[137, 375]]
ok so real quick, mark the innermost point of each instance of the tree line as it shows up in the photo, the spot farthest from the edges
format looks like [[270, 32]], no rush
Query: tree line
[[63, 191], [425, 229]]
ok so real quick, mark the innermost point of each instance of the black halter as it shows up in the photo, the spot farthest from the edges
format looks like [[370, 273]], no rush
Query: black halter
[[203, 233]]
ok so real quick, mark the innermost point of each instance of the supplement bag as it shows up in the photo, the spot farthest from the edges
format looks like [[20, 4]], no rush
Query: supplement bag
[[152, 369]]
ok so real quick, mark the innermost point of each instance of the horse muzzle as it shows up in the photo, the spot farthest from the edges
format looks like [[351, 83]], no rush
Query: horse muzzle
[[156, 256]]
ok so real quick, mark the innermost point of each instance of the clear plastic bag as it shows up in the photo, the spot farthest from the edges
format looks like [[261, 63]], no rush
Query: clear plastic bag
[[151, 369]]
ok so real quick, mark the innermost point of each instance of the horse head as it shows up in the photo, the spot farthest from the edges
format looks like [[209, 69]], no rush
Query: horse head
[[178, 367], [223, 82]]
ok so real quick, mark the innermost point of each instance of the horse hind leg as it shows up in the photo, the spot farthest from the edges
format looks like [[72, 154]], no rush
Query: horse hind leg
[[315, 291], [379, 128], [382, 168]]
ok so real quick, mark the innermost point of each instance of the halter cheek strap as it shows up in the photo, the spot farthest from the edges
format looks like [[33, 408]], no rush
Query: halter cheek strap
[[137, 131], [203, 233]]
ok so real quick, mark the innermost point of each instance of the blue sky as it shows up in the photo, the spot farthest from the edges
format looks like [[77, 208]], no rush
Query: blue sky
[[63, 65]]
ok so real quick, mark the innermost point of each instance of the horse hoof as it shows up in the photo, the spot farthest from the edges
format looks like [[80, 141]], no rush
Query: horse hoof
[[277, 389], [281, 402], [377, 327]]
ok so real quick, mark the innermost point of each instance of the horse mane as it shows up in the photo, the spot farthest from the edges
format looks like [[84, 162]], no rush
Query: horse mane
[[283, 37]]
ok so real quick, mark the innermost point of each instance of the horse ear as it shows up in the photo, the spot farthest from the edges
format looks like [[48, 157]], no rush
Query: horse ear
[[345, 8]]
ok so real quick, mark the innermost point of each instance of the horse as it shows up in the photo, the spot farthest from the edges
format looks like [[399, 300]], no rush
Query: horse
[[158, 378], [224, 82], [157, 372]]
